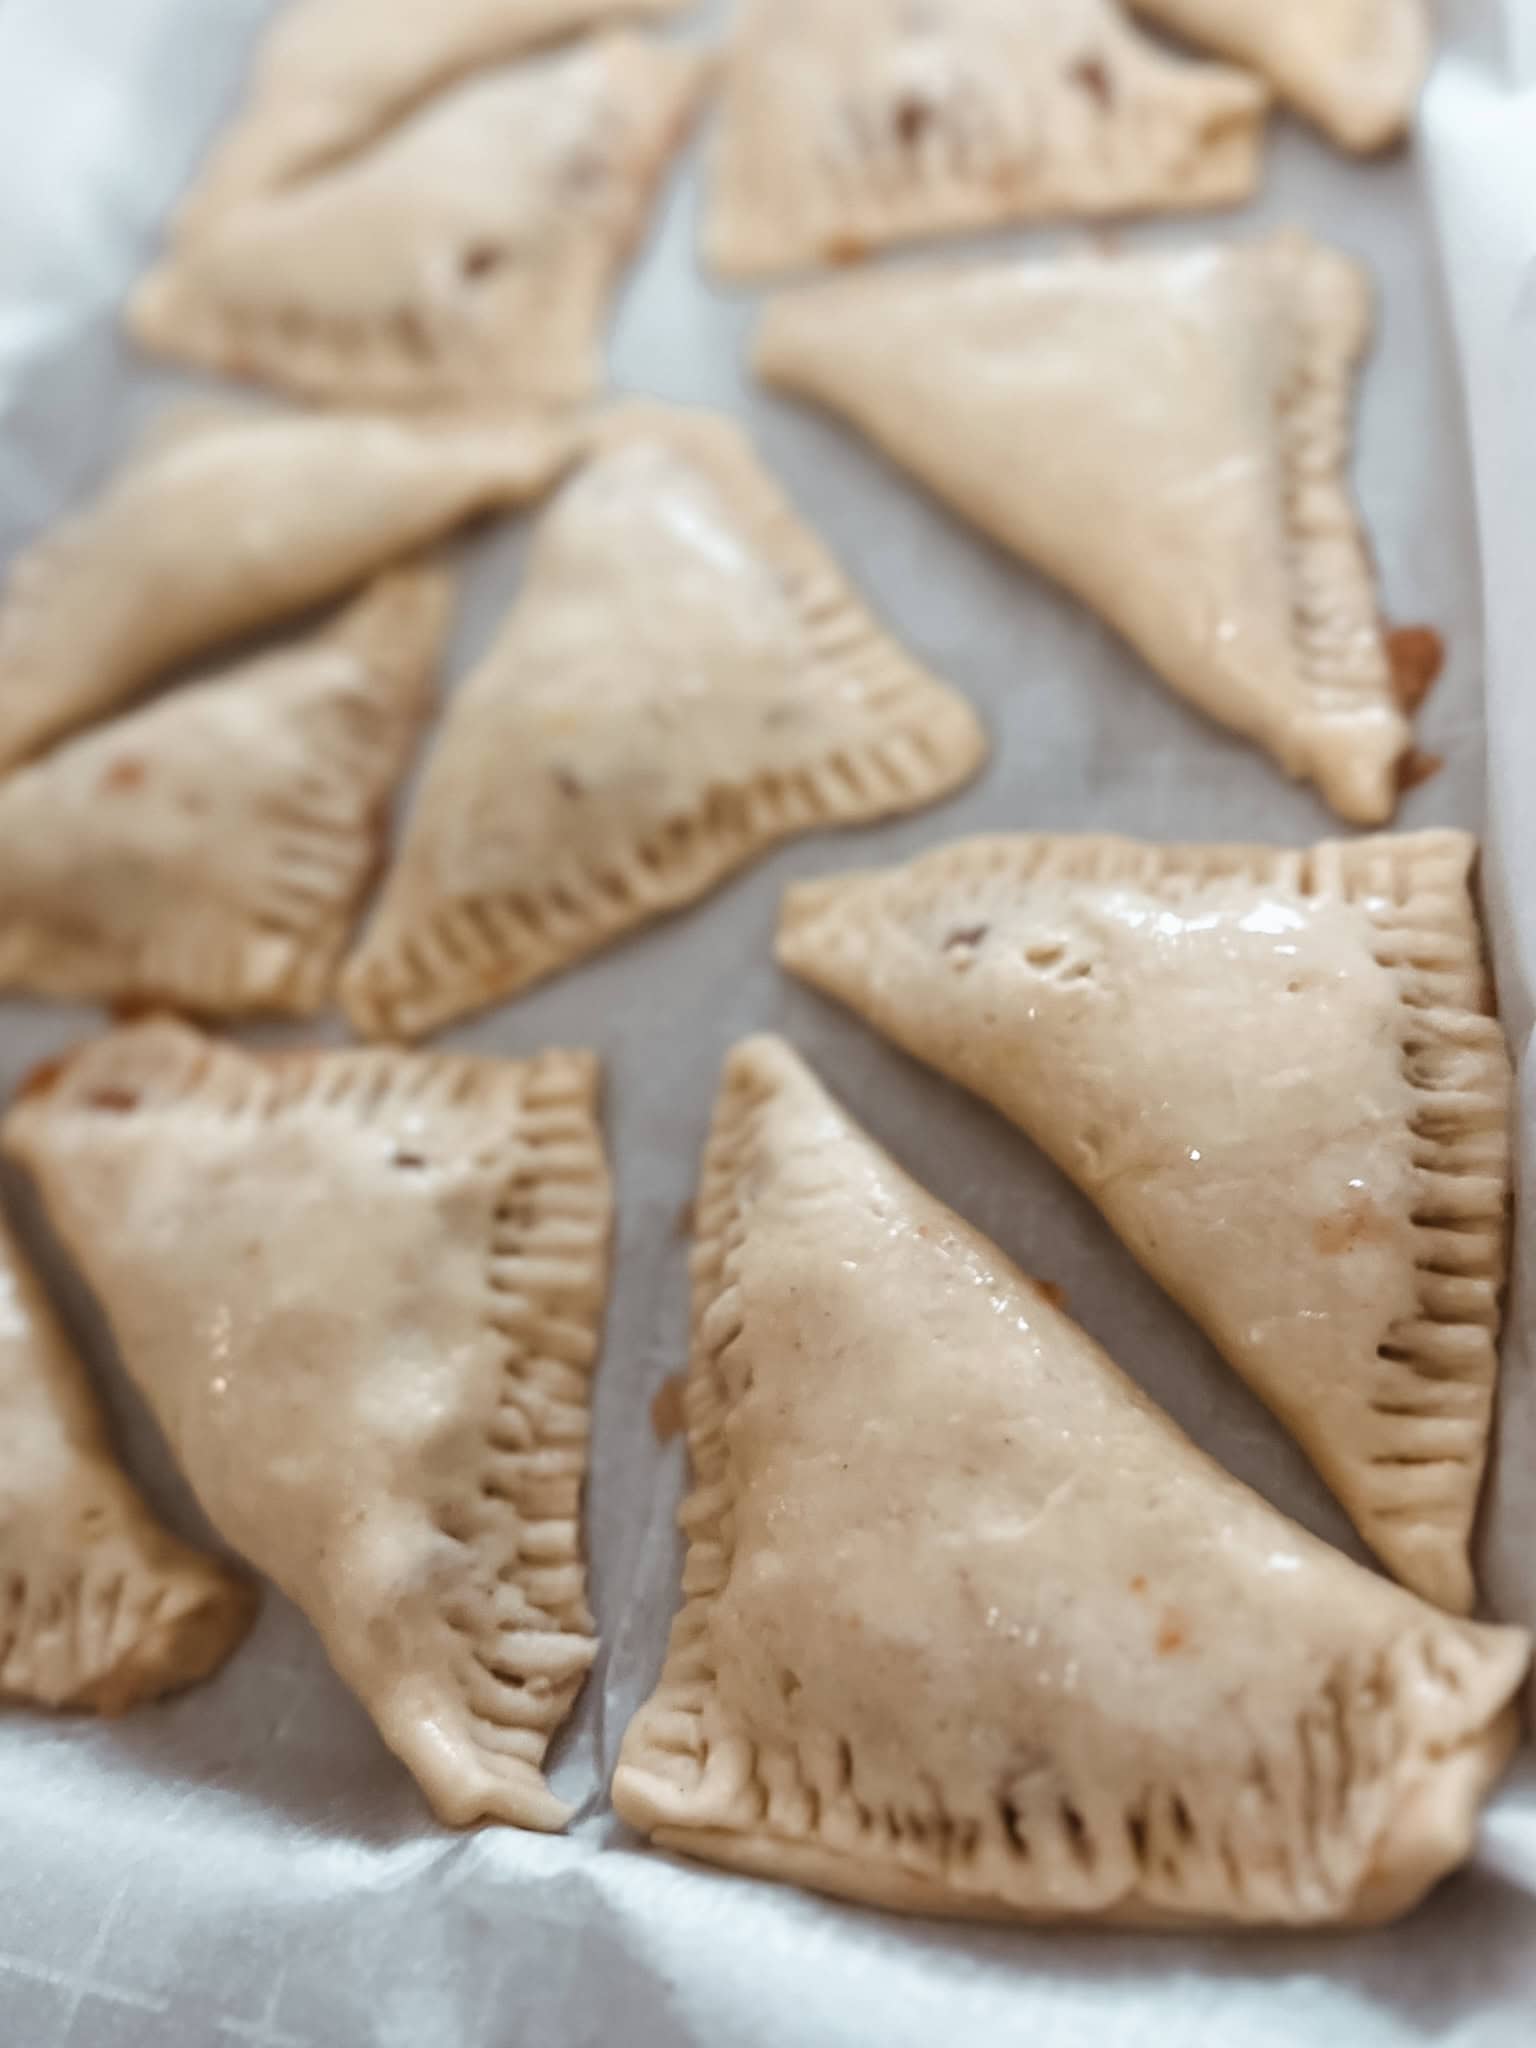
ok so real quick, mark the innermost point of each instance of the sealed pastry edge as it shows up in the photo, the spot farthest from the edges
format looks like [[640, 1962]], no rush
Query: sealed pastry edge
[[1468, 1767], [224, 180], [1326, 297], [393, 631], [110, 1076], [302, 354], [482, 951], [746, 239], [1431, 943]]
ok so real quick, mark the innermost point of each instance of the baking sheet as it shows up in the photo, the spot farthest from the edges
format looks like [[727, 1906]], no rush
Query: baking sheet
[[248, 1864]]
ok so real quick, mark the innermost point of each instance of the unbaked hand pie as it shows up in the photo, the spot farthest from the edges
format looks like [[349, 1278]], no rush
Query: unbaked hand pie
[[1166, 435], [685, 678], [231, 521], [969, 1627], [1280, 1077], [334, 73], [211, 851], [853, 123], [467, 258], [1353, 66], [363, 1292], [100, 1606]]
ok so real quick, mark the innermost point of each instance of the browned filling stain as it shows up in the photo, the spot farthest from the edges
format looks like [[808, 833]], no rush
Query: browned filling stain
[[123, 774], [1416, 655], [115, 1101], [1139, 1583], [914, 117], [1359, 1222], [845, 249], [667, 1414], [1092, 74], [1173, 1635], [43, 1078], [1416, 768], [1052, 1295]]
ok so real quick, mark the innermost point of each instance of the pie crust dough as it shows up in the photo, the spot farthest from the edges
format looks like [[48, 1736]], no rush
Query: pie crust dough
[[333, 74], [363, 1292], [100, 1607], [685, 679], [1168, 436], [1352, 66], [467, 258], [228, 522], [1280, 1077], [970, 1627], [849, 124], [211, 851]]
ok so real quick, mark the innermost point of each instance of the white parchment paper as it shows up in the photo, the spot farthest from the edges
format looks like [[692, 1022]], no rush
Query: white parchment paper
[[248, 1864]]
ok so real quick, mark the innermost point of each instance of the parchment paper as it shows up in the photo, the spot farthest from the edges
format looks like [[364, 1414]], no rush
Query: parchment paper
[[248, 1864]]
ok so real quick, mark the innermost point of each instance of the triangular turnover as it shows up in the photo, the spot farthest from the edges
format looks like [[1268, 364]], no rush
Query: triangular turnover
[[685, 678], [465, 259], [970, 1627], [363, 1292], [1168, 436], [1279, 1076], [210, 852], [104, 1608]]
